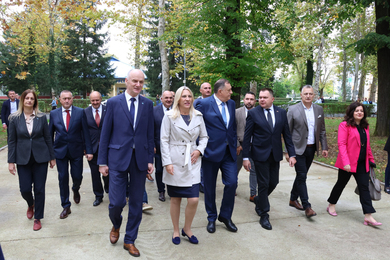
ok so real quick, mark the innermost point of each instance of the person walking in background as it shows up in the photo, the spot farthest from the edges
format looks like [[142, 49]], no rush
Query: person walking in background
[[241, 114], [387, 172], [54, 103], [158, 113], [95, 117], [30, 147], [354, 158], [180, 157], [220, 154], [127, 149], [307, 128], [10, 106], [69, 126], [265, 126]]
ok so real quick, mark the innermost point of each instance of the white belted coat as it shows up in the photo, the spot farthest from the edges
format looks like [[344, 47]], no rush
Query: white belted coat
[[178, 141]]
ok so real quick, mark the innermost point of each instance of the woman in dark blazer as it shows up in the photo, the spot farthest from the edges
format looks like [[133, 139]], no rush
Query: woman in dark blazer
[[387, 172], [354, 158], [30, 147]]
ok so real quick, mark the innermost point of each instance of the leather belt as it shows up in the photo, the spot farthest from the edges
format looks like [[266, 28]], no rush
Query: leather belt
[[310, 145]]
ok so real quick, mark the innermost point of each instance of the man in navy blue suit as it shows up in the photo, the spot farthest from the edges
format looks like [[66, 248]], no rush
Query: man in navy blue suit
[[158, 113], [10, 106], [127, 149], [265, 126], [95, 117], [69, 125], [220, 154]]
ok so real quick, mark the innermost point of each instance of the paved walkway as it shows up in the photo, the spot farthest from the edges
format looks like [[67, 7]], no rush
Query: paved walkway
[[85, 233]]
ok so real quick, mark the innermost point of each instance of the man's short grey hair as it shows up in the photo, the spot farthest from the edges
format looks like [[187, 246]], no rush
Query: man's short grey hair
[[66, 91], [306, 86]]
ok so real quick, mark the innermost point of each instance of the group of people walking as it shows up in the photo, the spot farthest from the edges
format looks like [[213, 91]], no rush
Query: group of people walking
[[188, 144]]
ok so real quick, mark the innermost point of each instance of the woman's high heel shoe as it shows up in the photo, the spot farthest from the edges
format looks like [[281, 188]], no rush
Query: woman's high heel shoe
[[192, 239], [367, 222]]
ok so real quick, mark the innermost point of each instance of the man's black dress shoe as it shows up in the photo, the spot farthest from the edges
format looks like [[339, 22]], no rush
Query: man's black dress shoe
[[387, 190], [228, 223], [65, 212], [97, 202], [211, 227], [264, 222], [76, 196], [161, 196]]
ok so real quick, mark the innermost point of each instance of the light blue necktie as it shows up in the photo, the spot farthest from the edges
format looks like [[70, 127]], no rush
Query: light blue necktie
[[224, 114]]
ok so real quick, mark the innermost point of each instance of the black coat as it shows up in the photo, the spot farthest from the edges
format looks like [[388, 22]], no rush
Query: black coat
[[94, 130], [21, 145], [6, 110]]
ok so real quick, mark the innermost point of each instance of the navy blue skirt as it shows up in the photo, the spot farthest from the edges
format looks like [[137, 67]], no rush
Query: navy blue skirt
[[183, 192]]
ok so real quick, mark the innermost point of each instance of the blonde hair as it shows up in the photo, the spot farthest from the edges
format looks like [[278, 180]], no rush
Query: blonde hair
[[175, 107]]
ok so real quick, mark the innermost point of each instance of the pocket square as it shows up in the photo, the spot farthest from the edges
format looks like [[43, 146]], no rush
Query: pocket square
[[319, 116]]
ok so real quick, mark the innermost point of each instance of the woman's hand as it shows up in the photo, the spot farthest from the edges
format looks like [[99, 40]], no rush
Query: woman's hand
[[169, 169], [194, 156], [347, 168], [11, 168], [52, 163]]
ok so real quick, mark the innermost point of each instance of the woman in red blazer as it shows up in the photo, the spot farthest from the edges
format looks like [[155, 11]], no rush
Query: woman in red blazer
[[354, 158]]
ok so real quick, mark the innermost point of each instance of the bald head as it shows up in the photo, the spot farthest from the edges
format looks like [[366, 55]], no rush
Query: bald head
[[96, 99], [167, 98], [134, 82], [205, 89]]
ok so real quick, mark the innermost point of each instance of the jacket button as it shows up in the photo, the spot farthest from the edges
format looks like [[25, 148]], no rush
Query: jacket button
[[182, 154], [183, 141], [182, 167]]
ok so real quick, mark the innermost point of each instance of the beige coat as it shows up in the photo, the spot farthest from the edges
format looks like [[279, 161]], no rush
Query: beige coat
[[178, 141]]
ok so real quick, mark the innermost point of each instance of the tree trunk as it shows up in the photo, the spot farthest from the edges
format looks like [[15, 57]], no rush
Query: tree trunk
[[163, 47], [362, 77], [356, 80], [373, 89], [137, 49], [253, 87], [318, 69], [309, 69], [383, 54], [344, 82]]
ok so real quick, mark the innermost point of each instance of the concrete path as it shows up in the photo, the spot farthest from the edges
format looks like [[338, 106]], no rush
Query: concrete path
[[85, 233]]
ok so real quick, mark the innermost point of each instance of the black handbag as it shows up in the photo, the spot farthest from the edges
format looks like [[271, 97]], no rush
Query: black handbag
[[374, 186]]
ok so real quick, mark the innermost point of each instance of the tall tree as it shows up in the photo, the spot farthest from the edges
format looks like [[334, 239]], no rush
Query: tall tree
[[89, 69]]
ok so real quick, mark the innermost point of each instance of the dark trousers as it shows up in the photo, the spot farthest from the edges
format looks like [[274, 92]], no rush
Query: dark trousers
[[361, 178], [302, 166], [35, 174], [97, 186], [117, 195], [159, 172], [228, 168], [76, 172], [387, 172], [267, 178]]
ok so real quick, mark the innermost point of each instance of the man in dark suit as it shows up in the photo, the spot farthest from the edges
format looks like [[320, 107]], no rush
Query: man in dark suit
[[307, 128], [69, 125], [158, 113], [264, 126], [220, 154], [95, 117], [127, 149], [241, 114], [10, 106], [205, 90]]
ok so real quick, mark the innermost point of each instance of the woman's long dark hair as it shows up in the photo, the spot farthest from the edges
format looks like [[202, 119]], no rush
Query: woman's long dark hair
[[349, 115]]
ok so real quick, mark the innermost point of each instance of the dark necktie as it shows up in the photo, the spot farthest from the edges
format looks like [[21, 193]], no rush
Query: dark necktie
[[132, 109], [269, 119], [97, 118], [224, 113], [67, 119]]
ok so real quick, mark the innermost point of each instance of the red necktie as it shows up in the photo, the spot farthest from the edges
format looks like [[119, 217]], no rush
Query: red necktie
[[97, 118], [67, 119]]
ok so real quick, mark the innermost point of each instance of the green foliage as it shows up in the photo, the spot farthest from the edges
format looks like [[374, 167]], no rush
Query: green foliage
[[370, 44], [88, 69]]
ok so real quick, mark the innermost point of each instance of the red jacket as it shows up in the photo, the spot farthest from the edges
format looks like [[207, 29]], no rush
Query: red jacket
[[349, 147]]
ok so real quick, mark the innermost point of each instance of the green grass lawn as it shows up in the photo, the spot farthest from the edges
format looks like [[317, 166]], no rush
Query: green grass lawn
[[3, 137], [377, 145]]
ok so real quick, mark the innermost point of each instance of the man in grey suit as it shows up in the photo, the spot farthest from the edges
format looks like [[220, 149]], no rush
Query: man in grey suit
[[307, 127], [241, 114]]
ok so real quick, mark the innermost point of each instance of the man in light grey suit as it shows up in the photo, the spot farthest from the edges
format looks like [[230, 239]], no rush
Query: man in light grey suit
[[241, 113], [307, 127]]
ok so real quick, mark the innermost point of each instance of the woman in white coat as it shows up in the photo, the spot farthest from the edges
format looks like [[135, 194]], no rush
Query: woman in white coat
[[180, 157]]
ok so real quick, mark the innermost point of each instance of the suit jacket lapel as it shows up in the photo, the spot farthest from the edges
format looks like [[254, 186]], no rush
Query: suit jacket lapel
[[123, 103], [303, 115], [139, 112], [103, 114], [277, 118], [231, 109], [61, 118], [316, 114], [216, 109]]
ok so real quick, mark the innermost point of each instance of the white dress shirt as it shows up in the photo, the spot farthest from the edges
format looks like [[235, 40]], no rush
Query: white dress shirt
[[136, 102], [219, 102], [64, 114], [99, 111], [309, 112], [272, 111], [13, 106]]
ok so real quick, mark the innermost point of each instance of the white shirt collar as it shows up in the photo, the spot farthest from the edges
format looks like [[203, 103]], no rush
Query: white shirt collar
[[128, 97], [304, 107], [218, 100], [70, 109]]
